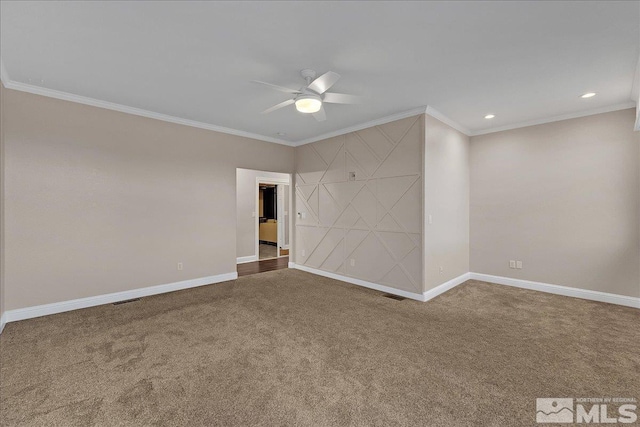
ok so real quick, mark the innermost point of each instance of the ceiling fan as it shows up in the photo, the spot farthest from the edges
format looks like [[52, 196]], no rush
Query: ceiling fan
[[309, 98]]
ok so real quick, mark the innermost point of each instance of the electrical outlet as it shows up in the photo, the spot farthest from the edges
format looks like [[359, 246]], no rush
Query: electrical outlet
[[518, 264], [180, 266], [430, 219], [512, 264], [441, 269], [352, 262], [303, 252]]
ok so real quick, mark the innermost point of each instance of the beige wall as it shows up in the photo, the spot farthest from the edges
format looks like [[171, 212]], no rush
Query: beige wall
[[246, 206], [375, 220], [562, 197], [447, 202], [2, 251], [99, 201]]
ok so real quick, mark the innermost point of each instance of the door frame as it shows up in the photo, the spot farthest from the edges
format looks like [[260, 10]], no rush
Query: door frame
[[274, 181]]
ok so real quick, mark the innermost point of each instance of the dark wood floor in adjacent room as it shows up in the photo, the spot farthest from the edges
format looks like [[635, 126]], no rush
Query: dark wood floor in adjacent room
[[262, 266]]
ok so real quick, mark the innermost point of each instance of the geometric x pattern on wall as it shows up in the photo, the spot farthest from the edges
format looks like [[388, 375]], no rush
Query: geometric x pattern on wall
[[367, 226]]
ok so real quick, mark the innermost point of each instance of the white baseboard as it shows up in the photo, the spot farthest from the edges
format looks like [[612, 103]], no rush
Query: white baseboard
[[60, 307], [359, 282], [3, 321], [432, 293], [245, 259], [518, 283], [560, 290]]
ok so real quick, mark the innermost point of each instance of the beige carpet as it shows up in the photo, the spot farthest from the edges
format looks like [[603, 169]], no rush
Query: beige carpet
[[287, 348]]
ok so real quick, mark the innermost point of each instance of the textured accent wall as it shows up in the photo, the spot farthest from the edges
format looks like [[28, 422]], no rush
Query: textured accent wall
[[374, 220]]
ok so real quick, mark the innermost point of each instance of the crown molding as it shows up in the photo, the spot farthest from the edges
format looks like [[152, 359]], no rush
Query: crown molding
[[65, 96], [446, 120], [371, 123], [584, 113]]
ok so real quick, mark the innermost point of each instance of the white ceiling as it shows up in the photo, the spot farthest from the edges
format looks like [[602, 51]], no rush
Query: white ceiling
[[522, 61]]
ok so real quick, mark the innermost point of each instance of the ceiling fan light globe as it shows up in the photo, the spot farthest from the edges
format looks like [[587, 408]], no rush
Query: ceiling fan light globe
[[308, 104]]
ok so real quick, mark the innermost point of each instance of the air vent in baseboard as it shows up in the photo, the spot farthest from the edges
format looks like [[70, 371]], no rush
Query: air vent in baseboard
[[395, 297], [126, 301]]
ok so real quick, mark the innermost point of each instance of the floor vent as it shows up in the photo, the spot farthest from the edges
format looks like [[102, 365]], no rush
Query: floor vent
[[126, 301], [395, 297]]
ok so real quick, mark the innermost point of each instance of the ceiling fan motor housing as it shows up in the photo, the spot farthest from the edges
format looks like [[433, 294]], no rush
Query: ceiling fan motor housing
[[308, 75]]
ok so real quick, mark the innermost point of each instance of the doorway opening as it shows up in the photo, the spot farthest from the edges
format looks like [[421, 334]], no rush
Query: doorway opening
[[273, 219], [263, 216]]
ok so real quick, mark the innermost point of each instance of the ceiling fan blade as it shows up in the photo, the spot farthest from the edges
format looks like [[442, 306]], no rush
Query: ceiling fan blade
[[320, 116], [278, 106], [324, 82], [341, 98], [276, 87]]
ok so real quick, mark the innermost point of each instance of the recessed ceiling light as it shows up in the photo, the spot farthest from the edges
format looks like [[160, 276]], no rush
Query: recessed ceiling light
[[489, 116], [588, 95]]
